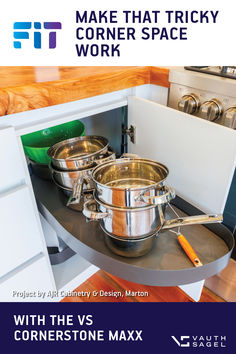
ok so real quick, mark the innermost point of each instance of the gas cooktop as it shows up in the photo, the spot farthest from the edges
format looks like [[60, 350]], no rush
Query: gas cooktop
[[224, 71]]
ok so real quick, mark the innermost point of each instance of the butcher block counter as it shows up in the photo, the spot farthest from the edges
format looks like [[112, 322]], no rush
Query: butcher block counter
[[23, 88]]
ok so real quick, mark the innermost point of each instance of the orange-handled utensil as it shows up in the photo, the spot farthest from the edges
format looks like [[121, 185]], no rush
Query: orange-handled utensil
[[185, 244], [189, 250]]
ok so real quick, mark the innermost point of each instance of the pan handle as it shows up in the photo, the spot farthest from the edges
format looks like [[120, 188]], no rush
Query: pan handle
[[166, 195], [76, 193], [189, 250], [89, 210], [192, 220]]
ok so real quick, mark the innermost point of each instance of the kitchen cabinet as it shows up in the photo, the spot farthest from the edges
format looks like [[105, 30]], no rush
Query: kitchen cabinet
[[12, 171], [151, 141], [21, 239], [21, 236], [25, 284]]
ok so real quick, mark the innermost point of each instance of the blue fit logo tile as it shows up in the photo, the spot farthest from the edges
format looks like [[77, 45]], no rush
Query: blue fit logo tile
[[21, 32]]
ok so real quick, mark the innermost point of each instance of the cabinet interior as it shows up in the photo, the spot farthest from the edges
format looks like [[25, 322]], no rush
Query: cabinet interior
[[108, 124]]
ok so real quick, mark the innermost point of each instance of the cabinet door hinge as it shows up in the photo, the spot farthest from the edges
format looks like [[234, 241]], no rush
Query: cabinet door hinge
[[131, 132]]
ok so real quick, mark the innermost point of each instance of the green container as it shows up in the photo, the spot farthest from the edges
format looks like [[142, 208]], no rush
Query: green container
[[37, 144]]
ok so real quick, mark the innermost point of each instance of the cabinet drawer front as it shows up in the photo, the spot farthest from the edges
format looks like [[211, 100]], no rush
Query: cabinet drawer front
[[12, 170], [20, 233], [32, 278]]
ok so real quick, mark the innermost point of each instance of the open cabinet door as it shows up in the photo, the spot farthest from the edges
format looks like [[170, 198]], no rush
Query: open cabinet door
[[200, 155]]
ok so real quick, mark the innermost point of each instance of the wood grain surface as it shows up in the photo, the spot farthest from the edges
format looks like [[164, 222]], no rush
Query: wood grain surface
[[159, 76], [105, 282], [27, 88]]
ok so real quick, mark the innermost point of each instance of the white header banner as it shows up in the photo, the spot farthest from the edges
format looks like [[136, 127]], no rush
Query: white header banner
[[117, 32]]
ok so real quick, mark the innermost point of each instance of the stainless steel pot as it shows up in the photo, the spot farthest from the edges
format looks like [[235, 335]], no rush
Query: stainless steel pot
[[76, 181], [109, 155], [134, 223], [130, 182], [74, 197], [77, 153], [129, 248], [79, 181], [68, 179]]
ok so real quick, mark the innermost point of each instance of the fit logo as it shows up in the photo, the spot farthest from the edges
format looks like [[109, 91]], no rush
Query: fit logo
[[21, 31], [182, 338]]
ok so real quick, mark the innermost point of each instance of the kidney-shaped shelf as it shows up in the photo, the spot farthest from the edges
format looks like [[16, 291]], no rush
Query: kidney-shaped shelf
[[165, 265]]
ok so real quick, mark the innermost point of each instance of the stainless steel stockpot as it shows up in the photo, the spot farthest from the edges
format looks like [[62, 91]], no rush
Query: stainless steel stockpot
[[77, 153], [130, 182], [134, 223]]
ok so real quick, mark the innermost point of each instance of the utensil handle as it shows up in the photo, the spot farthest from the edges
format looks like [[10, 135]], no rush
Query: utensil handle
[[77, 192], [189, 251], [167, 196], [192, 220], [90, 213]]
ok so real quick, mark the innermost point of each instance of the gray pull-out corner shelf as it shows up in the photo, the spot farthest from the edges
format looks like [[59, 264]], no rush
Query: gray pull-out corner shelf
[[165, 265]]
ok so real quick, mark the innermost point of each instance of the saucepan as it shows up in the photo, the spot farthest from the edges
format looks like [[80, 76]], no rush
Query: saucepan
[[139, 223], [80, 180], [130, 182], [70, 197], [77, 153]]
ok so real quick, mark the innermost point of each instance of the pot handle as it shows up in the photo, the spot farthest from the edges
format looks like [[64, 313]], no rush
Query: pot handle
[[76, 193], [192, 220], [167, 196], [90, 213], [127, 155]]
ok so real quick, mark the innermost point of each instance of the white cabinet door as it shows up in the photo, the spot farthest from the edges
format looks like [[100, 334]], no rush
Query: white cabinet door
[[26, 283], [12, 171], [20, 237], [200, 155]]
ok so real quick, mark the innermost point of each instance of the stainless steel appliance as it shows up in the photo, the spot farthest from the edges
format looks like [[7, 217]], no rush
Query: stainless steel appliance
[[223, 71], [211, 97]]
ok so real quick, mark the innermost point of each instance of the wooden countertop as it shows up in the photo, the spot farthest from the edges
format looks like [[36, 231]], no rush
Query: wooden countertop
[[24, 88]]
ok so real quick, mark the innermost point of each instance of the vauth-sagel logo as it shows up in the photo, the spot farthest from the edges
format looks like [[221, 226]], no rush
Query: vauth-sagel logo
[[199, 341], [25, 30]]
